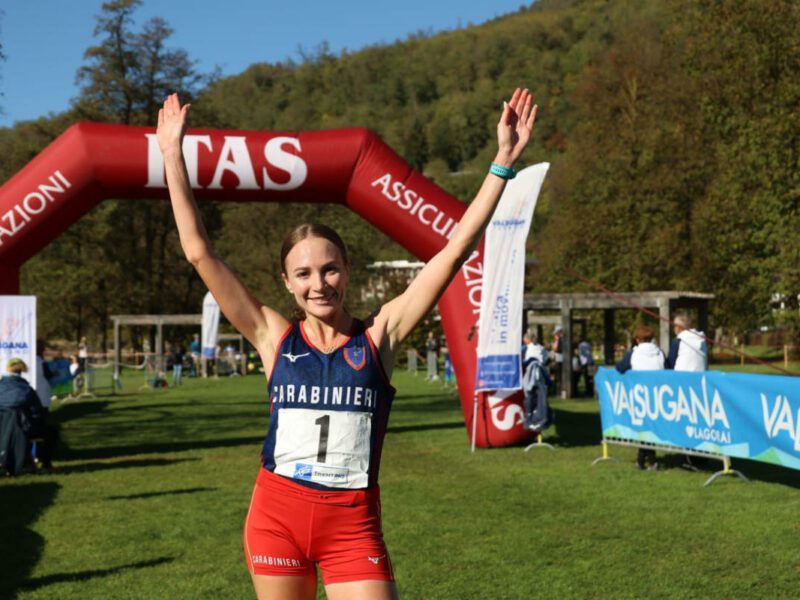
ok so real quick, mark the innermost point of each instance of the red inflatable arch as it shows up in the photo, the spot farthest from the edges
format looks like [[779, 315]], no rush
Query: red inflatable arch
[[91, 162]]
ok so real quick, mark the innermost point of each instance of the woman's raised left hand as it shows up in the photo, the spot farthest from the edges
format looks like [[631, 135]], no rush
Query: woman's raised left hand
[[515, 126]]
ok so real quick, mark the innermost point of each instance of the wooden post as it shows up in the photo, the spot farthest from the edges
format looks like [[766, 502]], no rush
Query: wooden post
[[702, 316], [159, 348], [664, 325], [117, 354], [566, 348], [608, 336]]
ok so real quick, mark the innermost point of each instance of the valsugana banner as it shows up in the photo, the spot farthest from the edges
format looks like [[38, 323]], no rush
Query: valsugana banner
[[18, 333], [500, 323], [731, 414], [209, 328]]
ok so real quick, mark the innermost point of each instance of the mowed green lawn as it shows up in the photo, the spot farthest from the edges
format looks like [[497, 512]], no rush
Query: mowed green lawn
[[154, 487]]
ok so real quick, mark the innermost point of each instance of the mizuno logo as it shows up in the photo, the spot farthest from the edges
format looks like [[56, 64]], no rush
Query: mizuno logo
[[376, 559], [293, 357]]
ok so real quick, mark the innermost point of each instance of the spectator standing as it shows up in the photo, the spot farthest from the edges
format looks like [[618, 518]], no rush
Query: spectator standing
[[194, 350], [644, 356], [449, 373], [43, 376], [75, 373], [689, 350], [558, 357], [535, 384], [177, 363], [83, 354], [432, 348], [577, 370], [533, 350], [587, 366]]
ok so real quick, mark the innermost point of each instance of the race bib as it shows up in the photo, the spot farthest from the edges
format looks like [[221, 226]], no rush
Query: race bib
[[329, 447]]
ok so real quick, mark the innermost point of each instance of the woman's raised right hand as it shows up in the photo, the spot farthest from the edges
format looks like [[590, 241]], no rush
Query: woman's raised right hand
[[172, 119]]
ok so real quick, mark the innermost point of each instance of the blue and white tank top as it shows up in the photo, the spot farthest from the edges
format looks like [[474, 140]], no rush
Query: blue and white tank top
[[329, 412]]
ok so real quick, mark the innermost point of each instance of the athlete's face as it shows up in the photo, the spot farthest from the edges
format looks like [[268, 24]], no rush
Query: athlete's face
[[317, 276]]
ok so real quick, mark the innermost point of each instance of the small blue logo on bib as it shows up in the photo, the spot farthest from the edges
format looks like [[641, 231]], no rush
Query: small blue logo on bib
[[303, 471]]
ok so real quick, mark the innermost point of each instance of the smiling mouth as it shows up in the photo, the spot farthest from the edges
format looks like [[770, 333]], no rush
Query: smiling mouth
[[324, 298]]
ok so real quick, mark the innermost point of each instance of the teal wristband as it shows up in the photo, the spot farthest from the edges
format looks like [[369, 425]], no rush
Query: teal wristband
[[502, 172]]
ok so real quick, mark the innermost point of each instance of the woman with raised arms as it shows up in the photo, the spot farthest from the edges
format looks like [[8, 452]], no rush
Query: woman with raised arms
[[316, 500]]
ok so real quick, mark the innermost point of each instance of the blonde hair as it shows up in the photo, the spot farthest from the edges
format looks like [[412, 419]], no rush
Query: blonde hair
[[17, 366]]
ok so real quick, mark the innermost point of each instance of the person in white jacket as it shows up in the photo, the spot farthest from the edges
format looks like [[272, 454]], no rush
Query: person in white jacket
[[689, 350], [644, 356]]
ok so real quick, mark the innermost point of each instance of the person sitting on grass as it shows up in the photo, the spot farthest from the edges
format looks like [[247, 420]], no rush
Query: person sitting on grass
[[16, 394]]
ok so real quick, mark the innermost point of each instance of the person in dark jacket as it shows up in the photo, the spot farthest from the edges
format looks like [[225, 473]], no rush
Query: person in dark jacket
[[13, 442], [17, 395]]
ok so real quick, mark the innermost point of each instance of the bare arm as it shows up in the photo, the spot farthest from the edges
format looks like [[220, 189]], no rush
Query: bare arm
[[397, 318], [258, 323]]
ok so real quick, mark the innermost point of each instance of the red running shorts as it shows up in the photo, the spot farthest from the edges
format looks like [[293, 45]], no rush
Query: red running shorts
[[291, 528]]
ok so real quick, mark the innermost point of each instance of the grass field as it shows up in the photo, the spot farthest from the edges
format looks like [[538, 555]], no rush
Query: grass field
[[154, 487]]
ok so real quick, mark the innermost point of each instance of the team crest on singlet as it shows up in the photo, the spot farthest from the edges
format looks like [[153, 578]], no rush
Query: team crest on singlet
[[356, 357]]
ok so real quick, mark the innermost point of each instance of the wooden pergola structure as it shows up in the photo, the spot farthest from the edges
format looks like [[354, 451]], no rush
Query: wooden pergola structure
[[665, 303], [150, 320], [159, 321]]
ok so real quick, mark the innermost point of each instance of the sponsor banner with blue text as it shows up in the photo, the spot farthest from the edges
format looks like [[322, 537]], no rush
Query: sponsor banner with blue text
[[500, 323], [209, 329], [18, 333], [732, 414]]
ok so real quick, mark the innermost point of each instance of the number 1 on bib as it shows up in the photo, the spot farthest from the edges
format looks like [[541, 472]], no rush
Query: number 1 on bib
[[324, 426]]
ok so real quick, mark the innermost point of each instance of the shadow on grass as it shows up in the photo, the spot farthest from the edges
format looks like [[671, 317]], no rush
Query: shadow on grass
[[187, 405], [164, 493], [155, 448], [425, 427], [753, 470], [575, 429], [76, 409], [122, 464], [140, 407], [424, 404], [40, 582], [758, 471], [20, 506]]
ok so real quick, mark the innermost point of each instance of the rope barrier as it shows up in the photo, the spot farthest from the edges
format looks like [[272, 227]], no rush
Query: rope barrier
[[134, 366]]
